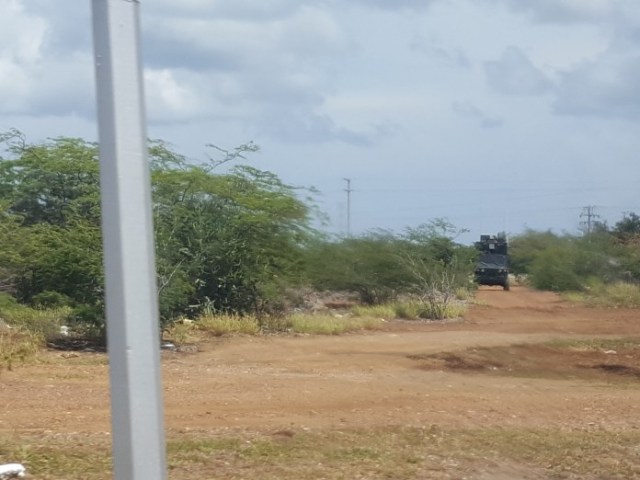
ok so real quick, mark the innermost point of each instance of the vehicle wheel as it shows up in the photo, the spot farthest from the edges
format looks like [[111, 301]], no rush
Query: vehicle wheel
[[506, 286]]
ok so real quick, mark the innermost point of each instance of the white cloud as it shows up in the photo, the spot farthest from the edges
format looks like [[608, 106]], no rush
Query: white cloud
[[21, 37], [21, 34], [32, 80], [514, 74], [270, 72], [169, 100], [304, 36]]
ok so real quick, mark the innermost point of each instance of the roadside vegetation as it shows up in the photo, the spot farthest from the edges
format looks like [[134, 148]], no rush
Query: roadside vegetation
[[236, 252], [600, 268], [235, 248]]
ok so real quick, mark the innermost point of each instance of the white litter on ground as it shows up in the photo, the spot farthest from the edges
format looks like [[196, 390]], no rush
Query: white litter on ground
[[12, 470]]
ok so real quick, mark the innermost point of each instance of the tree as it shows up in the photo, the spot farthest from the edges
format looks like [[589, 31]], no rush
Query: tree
[[367, 265], [55, 182], [437, 266], [227, 241], [628, 229], [50, 197]]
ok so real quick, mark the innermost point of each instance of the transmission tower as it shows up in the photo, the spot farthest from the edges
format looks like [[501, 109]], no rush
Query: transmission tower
[[587, 225]]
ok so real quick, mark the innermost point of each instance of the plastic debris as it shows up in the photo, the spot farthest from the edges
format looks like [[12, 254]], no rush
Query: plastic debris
[[12, 470]]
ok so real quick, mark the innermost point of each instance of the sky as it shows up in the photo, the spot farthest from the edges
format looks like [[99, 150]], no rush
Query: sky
[[496, 115]]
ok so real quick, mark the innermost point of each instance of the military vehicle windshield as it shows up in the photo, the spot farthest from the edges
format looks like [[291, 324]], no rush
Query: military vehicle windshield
[[492, 260]]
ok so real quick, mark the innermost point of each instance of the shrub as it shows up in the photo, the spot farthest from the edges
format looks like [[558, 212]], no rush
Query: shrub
[[407, 310], [182, 332], [46, 322], [435, 310], [554, 269], [7, 301], [49, 299]]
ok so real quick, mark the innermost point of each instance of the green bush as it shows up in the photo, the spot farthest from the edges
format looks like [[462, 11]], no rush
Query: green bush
[[42, 322], [7, 301], [50, 299], [565, 263], [554, 269]]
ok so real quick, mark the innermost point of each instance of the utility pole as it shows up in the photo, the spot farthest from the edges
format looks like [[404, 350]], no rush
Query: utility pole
[[348, 190], [137, 415], [588, 212]]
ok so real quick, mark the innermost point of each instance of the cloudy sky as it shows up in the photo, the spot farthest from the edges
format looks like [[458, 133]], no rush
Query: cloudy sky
[[494, 114]]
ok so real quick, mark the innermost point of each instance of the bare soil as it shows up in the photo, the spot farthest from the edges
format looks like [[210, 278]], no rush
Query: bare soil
[[493, 368]]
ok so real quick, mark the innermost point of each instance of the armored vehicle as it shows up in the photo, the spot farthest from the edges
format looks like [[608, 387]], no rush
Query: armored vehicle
[[492, 267]]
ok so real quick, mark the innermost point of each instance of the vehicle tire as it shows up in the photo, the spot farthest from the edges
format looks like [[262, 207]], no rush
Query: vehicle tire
[[506, 286]]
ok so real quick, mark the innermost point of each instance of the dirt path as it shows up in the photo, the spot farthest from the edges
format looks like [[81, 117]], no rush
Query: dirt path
[[353, 380]]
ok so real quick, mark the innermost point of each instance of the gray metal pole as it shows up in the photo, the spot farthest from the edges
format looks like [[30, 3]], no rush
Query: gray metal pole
[[348, 190], [132, 308]]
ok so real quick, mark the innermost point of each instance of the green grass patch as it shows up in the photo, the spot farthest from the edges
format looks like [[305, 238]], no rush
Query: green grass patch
[[401, 453], [597, 344], [59, 457], [45, 322], [574, 297]]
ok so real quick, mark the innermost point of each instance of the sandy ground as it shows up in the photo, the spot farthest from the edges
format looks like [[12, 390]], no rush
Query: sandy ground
[[391, 377]]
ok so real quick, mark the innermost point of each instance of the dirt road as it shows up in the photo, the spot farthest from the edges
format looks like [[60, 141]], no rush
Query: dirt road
[[401, 376]]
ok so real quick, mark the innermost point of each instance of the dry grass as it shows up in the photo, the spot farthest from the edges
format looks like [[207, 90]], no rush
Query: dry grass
[[18, 346], [386, 311], [220, 324], [381, 453], [412, 310], [313, 324], [330, 325], [614, 295]]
